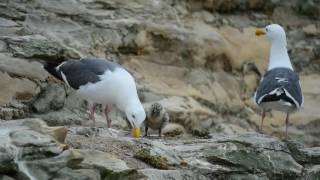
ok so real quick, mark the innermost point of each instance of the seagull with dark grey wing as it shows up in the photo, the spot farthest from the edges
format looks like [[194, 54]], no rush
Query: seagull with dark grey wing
[[100, 81], [279, 89]]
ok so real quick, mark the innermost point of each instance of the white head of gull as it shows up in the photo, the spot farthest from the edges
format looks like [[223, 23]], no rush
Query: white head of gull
[[278, 53]]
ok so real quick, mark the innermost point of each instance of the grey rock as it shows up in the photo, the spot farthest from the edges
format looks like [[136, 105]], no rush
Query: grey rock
[[62, 117], [304, 155], [12, 113], [51, 98], [4, 177], [312, 173], [47, 23], [242, 5], [63, 7], [109, 166], [200, 132], [6, 160], [3, 46], [7, 23], [245, 177], [24, 138], [93, 174], [11, 13], [22, 68], [309, 7], [158, 149], [258, 154], [69, 174], [29, 149], [312, 155], [45, 168], [155, 174], [16, 89], [34, 46]]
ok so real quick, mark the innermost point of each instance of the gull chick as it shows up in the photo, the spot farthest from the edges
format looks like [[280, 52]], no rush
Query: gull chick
[[156, 119]]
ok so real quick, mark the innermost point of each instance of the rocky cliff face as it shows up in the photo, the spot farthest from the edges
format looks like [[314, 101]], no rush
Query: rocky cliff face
[[199, 58]]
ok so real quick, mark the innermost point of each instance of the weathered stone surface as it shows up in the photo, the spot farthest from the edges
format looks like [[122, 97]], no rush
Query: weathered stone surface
[[173, 129], [304, 155], [311, 30], [20, 89], [58, 133], [155, 174], [62, 7], [313, 173], [6, 160], [70, 174], [154, 160], [7, 23], [247, 156], [158, 151], [245, 176], [51, 98], [92, 174], [27, 149], [4, 177], [22, 68], [109, 166], [310, 7], [255, 154], [12, 113], [62, 117], [34, 46]]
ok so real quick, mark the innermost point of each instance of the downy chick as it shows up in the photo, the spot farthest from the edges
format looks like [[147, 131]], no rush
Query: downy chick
[[156, 119]]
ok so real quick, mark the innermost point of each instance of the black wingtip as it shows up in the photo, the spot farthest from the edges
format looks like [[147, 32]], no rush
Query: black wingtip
[[51, 68]]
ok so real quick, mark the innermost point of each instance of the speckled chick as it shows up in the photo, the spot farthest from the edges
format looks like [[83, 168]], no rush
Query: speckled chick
[[156, 119]]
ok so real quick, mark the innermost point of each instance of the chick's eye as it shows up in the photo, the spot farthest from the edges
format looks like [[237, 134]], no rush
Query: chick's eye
[[133, 116], [267, 29]]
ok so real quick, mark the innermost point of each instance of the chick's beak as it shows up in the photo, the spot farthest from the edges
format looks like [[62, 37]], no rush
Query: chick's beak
[[136, 132], [260, 32]]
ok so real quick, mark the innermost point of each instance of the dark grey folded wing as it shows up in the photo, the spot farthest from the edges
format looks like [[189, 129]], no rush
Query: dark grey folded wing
[[282, 78], [99, 66], [81, 72], [76, 74]]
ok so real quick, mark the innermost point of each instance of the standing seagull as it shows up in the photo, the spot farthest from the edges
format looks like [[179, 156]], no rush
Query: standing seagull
[[279, 89], [100, 81]]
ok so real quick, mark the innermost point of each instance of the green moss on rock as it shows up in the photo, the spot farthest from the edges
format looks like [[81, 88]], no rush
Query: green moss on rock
[[200, 132], [155, 161]]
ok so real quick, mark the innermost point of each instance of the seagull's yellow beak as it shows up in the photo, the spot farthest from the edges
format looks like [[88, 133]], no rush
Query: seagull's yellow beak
[[136, 132], [260, 32]]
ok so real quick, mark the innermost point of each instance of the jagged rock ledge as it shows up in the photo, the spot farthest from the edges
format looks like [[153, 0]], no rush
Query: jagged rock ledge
[[32, 150]]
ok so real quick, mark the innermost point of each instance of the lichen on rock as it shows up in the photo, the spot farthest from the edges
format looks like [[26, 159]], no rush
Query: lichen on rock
[[154, 160]]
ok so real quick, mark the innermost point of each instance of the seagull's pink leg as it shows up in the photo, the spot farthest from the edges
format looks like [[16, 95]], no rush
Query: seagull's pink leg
[[91, 115], [263, 114], [106, 112], [287, 122]]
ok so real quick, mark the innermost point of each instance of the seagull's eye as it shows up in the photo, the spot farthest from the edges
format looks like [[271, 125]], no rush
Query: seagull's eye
[[267, 29], [133, 116]]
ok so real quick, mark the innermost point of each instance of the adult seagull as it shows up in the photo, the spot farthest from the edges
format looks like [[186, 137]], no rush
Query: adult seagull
[[100, 81], [279, 89]]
